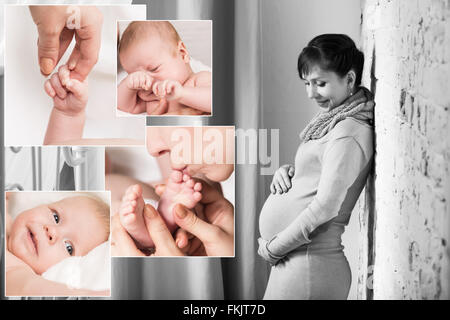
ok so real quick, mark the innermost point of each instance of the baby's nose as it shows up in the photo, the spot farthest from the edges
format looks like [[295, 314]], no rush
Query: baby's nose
[[50, 232]]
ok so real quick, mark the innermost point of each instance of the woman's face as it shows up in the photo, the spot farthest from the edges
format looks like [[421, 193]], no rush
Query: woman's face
[[195, 150], [45, 235], [327, 88]]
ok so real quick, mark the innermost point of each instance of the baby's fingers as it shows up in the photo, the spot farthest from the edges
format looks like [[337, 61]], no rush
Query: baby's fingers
[[148, 81], [64, 74], [57, 86], [159, 88], [78, 88], [49, 89]]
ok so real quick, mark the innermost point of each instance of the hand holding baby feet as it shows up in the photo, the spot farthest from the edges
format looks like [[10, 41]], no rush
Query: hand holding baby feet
[[139, 80], [169, 89], [180, 188], [131, 216], [69, 95]]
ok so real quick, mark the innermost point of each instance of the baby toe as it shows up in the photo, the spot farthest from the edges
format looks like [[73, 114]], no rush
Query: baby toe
[[190, 183], [198, 186], [197, 196], [137, 190], [176, 176]]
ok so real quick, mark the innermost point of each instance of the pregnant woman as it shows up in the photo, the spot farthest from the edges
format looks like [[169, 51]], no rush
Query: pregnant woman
[[302, 221]]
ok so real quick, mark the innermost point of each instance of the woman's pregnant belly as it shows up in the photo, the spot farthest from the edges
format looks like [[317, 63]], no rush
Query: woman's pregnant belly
[[280, 210]]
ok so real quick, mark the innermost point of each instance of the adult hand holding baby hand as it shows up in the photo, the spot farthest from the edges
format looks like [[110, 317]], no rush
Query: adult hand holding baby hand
[[69, 95], [56, 27], [69, 101]]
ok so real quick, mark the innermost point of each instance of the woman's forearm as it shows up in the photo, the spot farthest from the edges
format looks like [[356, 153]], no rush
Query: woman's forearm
[[63, 127]]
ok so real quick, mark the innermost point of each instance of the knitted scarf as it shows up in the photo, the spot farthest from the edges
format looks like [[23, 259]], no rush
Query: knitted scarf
[[359, 106]]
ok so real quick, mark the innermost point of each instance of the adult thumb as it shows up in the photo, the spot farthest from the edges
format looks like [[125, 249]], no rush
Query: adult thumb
[[189, 221], [48, 50]]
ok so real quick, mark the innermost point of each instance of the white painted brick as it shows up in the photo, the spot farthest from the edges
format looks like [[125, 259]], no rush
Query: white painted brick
[[412, 182]]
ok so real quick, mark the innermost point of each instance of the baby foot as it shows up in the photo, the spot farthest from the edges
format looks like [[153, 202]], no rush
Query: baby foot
[[131, 216], [180, 188]]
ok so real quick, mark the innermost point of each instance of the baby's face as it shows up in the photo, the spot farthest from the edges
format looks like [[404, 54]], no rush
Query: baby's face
[[45, 235], [162, 60]]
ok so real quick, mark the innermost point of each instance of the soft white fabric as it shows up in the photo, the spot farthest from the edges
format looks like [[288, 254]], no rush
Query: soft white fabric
[[92, 271]]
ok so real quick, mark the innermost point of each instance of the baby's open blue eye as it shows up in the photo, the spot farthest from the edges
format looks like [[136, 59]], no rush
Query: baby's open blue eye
[[55, 216], [69, 247]]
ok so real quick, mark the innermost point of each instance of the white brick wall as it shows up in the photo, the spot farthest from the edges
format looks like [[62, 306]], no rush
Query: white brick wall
[[407, 48]]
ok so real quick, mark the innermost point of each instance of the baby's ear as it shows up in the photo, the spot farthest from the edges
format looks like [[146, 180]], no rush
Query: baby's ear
[[182, 50]]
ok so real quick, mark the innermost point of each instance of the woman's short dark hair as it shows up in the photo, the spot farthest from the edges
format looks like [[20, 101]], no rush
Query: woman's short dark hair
[[332, 52]]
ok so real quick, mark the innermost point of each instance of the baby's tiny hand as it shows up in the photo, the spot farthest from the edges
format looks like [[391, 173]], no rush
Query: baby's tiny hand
[[147, 95], [69, 95], [169, 89], [139, 80]]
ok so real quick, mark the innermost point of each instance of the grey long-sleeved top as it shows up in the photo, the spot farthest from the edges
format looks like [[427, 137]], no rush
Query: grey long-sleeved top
[[330, 174]]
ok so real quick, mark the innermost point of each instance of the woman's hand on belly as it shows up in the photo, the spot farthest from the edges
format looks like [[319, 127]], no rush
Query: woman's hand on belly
[[264, 252], [281, 181]]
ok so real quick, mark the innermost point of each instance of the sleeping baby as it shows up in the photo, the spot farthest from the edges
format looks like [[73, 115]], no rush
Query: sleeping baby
[[43, 236], [160, 79]]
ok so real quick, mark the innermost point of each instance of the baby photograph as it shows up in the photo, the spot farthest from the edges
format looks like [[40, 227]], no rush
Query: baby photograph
[[57, 244], [164, 67], [164, 206], [62, 89]]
